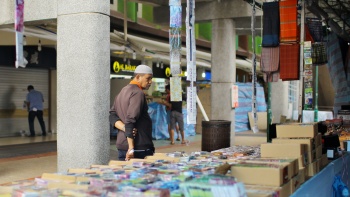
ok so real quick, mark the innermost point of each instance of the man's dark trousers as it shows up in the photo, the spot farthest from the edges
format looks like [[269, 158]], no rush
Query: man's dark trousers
[[31, 117]]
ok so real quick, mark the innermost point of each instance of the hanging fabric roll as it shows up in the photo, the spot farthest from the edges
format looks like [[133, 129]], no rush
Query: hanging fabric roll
[[271, 22], [289, 20], [269, 63], [289, 61]]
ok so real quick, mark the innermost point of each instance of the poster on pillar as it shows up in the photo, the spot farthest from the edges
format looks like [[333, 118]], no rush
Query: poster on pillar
[[175, 63], [175, 89], [191, 105], [234, 96]]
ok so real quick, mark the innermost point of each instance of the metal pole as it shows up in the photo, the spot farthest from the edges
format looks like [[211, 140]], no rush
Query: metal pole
[[316, 95], [125, 21], [269, 111], [301, 66]]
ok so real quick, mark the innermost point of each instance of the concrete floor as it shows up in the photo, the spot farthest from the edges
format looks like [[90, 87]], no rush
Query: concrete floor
[[34, 165]]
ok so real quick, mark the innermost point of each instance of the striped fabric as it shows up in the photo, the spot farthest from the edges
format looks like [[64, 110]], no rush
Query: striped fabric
[[269, 63], [289, 61], [288, 21], [270, 57], [271, 77], [336, 70]]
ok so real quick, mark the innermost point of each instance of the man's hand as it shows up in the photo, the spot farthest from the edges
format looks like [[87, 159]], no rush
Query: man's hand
[[129, 154]]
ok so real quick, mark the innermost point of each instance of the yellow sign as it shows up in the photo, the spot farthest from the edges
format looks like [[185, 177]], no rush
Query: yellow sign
[[167, 72], [117, 67]]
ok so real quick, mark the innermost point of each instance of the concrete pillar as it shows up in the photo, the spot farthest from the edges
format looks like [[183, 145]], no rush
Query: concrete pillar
[[83, 89], [223, 70]]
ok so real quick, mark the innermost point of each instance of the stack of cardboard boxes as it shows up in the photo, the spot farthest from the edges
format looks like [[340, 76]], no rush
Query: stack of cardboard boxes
[[285, 164], [306, 135]]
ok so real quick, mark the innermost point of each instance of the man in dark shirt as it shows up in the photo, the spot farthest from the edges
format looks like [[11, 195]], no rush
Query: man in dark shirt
[[130, 106], [176, 117]]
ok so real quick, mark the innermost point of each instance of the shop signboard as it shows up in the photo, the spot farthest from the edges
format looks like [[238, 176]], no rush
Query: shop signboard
[[121, 67]]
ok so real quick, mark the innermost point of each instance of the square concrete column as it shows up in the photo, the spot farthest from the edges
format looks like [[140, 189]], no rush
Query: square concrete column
[[83, 84], [223, 71]]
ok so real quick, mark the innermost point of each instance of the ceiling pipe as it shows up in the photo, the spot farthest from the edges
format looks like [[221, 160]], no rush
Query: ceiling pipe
[[125, 21]]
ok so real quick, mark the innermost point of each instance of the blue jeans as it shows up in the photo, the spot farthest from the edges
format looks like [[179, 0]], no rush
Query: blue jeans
[[122, 155]]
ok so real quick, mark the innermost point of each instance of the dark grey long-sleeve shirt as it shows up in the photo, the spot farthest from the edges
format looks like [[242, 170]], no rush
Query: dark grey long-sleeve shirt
[[131, 107]]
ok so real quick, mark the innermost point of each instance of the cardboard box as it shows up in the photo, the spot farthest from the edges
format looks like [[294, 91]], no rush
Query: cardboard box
[[310, 142], [267, 191], [318, 139], [312, 169], [260, 173], [298, 180], [293, 165], [285, 151], [291, 130], [323, 161], [319, 152]]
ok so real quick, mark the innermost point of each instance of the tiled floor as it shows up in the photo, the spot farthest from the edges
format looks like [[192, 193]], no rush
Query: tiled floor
[[31, 166]]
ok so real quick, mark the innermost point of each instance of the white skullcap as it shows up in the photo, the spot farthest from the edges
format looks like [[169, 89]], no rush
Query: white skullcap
[[143, 69]]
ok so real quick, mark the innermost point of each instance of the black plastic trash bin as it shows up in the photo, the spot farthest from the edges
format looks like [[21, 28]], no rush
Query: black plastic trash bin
[[216, 134]]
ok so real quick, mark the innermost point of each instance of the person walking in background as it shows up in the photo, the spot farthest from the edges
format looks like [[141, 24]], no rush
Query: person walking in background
[[130, 106], [34, 101], [176, 117], [168, 113]]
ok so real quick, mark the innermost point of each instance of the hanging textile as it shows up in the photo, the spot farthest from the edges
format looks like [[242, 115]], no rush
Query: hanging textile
[[270, 57], [191, 62], [319, 56], [315, 28], [271, 24], [272, 77], [269, 63], [19, 27], [289, 61], [288, 20]]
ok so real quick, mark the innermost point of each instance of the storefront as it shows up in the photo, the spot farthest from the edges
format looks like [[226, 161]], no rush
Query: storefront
[[13, 87]]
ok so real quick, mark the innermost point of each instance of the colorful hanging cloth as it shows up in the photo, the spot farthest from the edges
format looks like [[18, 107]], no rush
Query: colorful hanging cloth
[[289, 20], [271, 21], [289, 61]]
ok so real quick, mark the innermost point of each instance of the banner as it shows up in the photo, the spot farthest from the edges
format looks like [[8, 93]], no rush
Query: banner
[[19, 27]]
